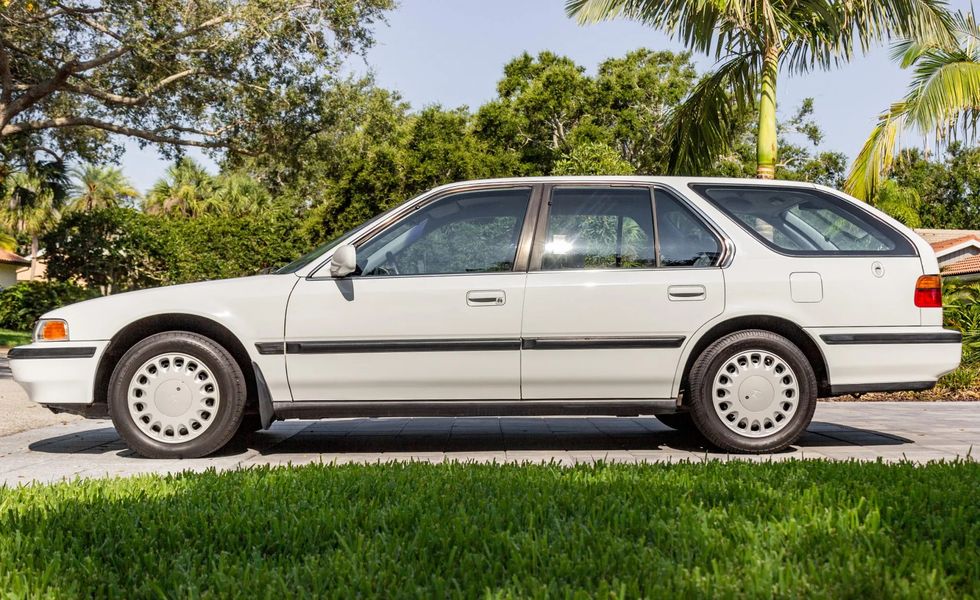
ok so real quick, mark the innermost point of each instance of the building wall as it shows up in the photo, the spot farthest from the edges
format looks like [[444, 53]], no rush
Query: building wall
[[958, 255], [8, 275], [24, 273]]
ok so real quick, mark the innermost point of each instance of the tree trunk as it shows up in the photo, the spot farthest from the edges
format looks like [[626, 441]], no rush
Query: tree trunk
[[34, 251], [766, 144]]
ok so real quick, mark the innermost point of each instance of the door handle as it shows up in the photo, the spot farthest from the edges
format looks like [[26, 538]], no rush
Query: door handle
[[486, 298], [682, 293]]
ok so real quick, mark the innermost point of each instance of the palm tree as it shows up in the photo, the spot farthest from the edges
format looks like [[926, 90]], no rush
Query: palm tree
[[754, 40], [7, 241], [186, 188], [943, 99], [100, 187], [240, 194], [32, 202]]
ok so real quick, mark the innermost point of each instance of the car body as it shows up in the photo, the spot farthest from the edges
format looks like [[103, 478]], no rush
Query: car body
[[531, 296]]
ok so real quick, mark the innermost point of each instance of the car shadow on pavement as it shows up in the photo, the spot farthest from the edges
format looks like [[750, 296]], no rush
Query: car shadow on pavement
[[360, 436]]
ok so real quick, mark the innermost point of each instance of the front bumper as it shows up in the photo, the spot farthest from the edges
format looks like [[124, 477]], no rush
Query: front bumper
[[57, 372], [887, 359]]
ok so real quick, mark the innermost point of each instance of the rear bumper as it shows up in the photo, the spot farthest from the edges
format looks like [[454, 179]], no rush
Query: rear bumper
[[57, 372], [887, 359]]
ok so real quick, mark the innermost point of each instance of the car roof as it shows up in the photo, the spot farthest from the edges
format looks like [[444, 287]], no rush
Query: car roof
[[672, 181]]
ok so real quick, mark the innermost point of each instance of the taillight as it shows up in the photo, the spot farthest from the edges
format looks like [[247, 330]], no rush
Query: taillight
[[929, 292]]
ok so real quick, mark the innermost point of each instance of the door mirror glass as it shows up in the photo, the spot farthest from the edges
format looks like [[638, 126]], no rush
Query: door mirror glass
[[344, 261]]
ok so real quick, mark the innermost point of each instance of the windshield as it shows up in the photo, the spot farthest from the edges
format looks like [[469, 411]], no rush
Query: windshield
[[306, 259]]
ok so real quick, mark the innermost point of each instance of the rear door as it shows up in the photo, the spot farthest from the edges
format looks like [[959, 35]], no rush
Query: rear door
[[613, 293]]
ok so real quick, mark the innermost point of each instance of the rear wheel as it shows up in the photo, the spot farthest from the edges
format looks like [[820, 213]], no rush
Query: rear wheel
[[752, 391], [177, 395]]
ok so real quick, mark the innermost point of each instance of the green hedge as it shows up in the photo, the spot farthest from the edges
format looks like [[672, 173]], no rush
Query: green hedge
[[22, 304], [119, 249]]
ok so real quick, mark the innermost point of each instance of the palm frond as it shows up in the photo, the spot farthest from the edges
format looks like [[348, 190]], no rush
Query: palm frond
[[696, 23], [700, 128], [878, 153]]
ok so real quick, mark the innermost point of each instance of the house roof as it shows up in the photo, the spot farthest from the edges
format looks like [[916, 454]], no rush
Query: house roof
[[956, 242], [939, 235], [9, 258], [965, 266]]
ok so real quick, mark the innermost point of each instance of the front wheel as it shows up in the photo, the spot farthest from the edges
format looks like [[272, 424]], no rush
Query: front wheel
[[752, 391], [177, 395]]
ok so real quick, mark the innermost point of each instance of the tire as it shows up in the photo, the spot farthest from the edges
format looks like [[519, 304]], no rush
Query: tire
[[681, 421], [752, 391], [177, 395]]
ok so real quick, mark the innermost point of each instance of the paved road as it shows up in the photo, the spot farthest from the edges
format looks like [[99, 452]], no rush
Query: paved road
[[890, 431], [5, 368]]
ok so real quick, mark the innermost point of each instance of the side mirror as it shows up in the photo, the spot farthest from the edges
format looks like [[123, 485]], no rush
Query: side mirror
[[344, 261]]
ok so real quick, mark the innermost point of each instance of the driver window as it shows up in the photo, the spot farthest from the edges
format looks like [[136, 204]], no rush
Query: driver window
[[471, 232]]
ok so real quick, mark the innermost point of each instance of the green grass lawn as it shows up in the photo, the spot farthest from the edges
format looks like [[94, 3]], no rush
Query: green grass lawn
[[10, 338], [795, 529]]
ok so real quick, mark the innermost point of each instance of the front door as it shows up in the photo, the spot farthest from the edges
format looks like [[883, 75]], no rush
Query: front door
[[613, 293], [433, 311]]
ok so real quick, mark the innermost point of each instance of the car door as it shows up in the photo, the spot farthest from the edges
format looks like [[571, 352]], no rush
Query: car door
[[432, 312], [613, 294]]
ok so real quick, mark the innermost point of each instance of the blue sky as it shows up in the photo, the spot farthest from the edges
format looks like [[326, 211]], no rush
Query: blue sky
[[452, 52]]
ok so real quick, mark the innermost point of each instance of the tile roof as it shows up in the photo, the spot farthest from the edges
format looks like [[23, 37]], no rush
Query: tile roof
[[9, 258], [939, 246], [970, 264], [939, 235]]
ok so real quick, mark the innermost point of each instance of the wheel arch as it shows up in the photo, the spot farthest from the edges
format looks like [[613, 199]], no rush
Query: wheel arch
[[131, 334], [778, 325]]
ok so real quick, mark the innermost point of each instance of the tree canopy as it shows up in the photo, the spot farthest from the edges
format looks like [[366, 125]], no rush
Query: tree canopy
[[754, 40], [210, 73]]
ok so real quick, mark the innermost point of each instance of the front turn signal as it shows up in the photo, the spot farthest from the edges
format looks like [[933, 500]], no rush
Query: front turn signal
[[51, 330], [929, 292]]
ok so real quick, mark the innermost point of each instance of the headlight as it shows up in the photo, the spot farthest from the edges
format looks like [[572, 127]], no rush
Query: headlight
[[51, 330]]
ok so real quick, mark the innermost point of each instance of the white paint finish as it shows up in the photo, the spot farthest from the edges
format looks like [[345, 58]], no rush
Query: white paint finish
[[405, 308], [59, 380], [805, 287], [596, 303], [624, 303], [895, 363], [252, 308]]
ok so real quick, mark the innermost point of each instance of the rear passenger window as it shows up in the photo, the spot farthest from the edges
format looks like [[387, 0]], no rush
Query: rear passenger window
[[685, 241], [599, 228], [806, 222]]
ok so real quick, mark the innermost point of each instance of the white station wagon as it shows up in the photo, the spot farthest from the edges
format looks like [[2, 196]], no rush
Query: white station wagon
[[725, 306]]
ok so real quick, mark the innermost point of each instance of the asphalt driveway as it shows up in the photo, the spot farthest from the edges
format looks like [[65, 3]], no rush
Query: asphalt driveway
[[889, 431]]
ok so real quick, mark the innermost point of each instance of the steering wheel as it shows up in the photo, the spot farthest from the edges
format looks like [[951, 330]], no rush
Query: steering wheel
[[390, 262]]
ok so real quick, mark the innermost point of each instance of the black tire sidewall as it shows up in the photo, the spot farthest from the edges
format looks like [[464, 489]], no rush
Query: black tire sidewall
[[226, 371], [714, 358]]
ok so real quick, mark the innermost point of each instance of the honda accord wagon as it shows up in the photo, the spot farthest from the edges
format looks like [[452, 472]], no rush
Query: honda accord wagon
[[726, 307]]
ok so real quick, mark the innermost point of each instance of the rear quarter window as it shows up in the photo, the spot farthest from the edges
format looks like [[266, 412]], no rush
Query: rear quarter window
[[806, 222]]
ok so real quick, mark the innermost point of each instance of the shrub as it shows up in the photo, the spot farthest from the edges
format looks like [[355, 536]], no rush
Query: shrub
[[222, 246], [115, 249], [24, 303], [961, 311]]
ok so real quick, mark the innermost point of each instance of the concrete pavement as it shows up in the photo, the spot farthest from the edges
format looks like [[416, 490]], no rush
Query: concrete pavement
[[891, 431]]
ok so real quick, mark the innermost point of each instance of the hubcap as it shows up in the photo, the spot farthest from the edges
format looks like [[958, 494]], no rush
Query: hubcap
[[755, 393], [173, 398]]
